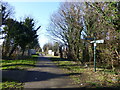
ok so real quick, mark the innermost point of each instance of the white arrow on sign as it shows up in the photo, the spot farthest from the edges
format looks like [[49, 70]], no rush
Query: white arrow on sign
[[97, 41]]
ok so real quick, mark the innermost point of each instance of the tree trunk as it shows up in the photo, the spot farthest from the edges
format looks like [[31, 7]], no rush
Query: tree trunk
[[23, 52], [6, 48], [61, 52], [13, 49]]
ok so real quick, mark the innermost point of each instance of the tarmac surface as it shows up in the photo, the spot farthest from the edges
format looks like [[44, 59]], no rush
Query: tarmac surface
[[44, 75], [47, 75]]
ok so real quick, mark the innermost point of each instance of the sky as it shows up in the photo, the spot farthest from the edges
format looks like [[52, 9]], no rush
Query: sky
[[40, 11]]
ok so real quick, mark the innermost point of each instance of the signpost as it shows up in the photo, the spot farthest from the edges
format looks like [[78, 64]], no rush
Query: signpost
[[89, 38], [95, 44], [97, 41]]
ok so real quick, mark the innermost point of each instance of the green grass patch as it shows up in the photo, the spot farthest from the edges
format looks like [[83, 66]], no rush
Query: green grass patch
[[101, 78], [37, 52], [11, 84], [69, 65], [35, 55], [92, 84], [18, 64]]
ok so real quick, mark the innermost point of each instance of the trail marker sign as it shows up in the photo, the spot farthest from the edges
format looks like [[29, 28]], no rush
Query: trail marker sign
[[95, 44], [97, 41]]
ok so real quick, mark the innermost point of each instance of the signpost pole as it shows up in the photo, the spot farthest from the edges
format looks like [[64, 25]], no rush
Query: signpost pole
[[94, 42], [94, 55]]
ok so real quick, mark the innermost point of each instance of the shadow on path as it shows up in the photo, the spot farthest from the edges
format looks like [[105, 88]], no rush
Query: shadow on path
[[36, 74], [31, 76], [45, 74]]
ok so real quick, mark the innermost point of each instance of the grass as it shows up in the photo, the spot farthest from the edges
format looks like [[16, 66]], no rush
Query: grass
[[34, 56], [87, 77], [10, 84], [49, 55], [19, 64]]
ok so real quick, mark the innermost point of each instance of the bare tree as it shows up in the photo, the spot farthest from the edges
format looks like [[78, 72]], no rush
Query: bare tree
[[66, 26]]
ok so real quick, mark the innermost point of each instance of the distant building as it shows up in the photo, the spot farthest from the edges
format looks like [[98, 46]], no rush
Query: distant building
[[53, 53], [50, 52]]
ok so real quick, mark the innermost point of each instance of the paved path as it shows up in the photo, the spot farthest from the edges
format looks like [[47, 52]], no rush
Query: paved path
[[47, 75]]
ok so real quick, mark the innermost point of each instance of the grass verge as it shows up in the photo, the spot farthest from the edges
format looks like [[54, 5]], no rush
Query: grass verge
[[10, 84], [87, 77], [20, 64]]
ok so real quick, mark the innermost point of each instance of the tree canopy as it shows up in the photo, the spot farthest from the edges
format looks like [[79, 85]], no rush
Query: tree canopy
[[76, 21]]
